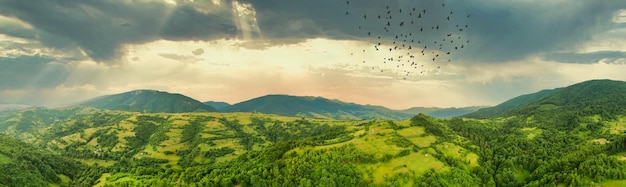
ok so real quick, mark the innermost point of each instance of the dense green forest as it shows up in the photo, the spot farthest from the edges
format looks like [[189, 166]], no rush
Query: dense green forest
[[563, 139]]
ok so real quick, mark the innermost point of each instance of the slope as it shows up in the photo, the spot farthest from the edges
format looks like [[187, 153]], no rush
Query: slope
[[442, 112], [606, 97], [505, 107], [150, 101], [217, 105]]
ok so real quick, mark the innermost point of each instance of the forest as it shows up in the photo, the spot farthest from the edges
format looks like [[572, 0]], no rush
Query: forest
[[91, 147]]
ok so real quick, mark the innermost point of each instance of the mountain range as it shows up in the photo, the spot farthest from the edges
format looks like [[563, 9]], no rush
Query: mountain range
[[152, 101], [570, 136]]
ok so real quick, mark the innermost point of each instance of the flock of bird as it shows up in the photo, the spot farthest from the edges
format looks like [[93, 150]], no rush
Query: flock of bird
[[411, 37]]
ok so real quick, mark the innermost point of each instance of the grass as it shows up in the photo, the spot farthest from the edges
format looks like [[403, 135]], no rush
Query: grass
[[4, 159], [473, 159], [451, 150], [600, 141], [411, 132], [91, 162], [612, 183], [65, 180], [160, 154], [416, 163], [424, 141], [102, 180], [531, 133], [618, 126]]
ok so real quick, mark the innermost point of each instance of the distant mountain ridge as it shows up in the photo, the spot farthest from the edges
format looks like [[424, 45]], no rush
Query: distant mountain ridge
[[150, 101], [319, 107], [604, 97], [443, 112], [217, 105]]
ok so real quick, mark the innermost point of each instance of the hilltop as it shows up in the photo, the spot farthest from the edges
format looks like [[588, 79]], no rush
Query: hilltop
[[150, 101]]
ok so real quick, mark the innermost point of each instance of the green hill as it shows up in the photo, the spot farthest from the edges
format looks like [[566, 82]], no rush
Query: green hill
[[596, 97], [150, 101], [316, 107], [603, 97], [507, 106]]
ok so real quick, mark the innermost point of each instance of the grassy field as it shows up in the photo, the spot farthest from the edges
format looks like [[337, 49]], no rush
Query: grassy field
[[531, 132], [92, 162], [414, 163], [4, 159], [618, 126], [612, 183], [102, 180]]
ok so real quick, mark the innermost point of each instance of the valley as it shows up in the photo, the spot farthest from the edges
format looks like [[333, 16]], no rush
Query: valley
[[547, 141]]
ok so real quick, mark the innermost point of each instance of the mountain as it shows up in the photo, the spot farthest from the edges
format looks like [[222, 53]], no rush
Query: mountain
[[595, 97], [150, 101], [217, 105], [316, 107], [510, 104], [605, 97], [443, 112]]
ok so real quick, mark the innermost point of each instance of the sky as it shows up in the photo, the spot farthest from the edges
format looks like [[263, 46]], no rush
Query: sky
[[58, 53]]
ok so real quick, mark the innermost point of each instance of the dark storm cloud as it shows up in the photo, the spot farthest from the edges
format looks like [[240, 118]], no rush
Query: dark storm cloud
[[28, 72], [512, 30], [499, 30], [586, 58], [100, 28]]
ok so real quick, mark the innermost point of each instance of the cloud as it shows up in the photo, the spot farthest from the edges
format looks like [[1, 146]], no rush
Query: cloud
[[180, 58], [102, 28], [512, 30], [588, 58], [198, 51], [499, 30]]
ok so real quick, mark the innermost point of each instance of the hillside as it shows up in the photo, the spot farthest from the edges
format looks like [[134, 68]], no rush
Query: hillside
[[24, 165], [150, 101], [442, 112], [596, 97], [507, 106], [217, 105], [605, 97], [117, 145], [315, 107]]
